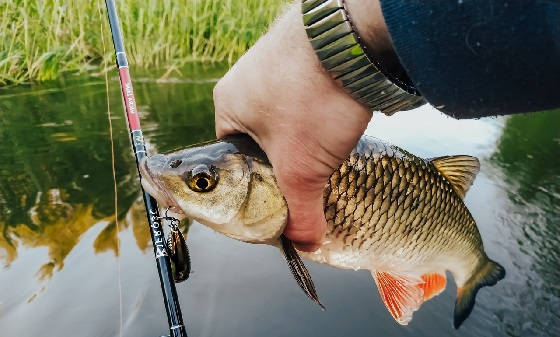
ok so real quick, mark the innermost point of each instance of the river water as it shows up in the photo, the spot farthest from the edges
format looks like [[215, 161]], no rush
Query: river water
[[61, 265]]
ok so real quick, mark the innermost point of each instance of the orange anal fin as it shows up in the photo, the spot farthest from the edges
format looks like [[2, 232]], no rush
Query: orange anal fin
[[434, 284], [401, 294]]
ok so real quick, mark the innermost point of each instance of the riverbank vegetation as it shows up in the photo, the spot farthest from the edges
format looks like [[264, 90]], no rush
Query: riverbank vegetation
[[42, 39]]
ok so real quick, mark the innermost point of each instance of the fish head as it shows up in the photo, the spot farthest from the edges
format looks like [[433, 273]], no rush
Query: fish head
[[226, 185]]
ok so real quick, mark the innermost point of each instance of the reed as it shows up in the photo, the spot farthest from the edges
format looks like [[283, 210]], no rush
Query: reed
[[42, 39]]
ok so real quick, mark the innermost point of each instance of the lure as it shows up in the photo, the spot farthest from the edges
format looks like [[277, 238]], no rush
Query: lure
[[177, 250]]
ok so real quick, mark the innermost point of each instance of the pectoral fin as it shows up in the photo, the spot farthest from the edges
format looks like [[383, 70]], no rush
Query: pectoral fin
[[401, 294], [299, 271]]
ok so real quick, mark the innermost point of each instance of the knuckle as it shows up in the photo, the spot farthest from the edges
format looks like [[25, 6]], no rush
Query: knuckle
[[218, 92]]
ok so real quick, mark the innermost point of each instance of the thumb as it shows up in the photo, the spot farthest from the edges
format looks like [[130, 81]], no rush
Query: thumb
[[302, 172], [306, 219]]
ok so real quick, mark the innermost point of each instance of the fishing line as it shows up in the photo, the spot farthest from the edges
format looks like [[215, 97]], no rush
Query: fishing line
[[165, 271], [115, 191]]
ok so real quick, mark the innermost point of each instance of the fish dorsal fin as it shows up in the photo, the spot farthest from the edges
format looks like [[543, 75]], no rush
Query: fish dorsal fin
[[401, 294], [460, 171], [434, 284]]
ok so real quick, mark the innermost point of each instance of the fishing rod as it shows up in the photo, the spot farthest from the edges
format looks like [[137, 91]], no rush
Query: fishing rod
[[172, 307]]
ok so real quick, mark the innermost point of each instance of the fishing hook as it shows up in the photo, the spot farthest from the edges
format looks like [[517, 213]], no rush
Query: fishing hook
[[174, 222]]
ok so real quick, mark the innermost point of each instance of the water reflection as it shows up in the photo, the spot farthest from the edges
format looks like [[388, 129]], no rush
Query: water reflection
[[527, 155], [55, 171], [58, 238]]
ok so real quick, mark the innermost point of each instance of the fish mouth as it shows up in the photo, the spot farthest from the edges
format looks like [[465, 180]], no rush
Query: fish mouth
[[151, 184]]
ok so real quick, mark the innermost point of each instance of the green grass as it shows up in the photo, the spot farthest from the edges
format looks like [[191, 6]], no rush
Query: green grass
[[42, 39]]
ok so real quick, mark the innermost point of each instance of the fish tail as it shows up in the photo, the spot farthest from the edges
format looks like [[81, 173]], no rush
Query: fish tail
[[487, 274]]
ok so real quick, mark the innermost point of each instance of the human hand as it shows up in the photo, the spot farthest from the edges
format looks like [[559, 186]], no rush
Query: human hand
[[280, 95]]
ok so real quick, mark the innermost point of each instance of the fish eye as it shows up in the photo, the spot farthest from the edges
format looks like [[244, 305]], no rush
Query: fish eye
[[202, 179]]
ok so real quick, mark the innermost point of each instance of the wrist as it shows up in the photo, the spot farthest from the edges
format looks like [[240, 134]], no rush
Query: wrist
[[369, 23], [367, 19], [348, 59]]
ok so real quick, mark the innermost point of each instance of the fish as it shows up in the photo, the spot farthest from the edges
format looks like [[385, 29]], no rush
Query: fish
[[397, 215], [266, 214], [179, 254]]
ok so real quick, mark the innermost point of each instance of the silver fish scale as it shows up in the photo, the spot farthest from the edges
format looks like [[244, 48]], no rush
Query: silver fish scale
[[386, 200]]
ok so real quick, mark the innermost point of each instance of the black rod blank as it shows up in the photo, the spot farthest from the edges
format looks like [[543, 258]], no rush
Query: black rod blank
[[172, 307]]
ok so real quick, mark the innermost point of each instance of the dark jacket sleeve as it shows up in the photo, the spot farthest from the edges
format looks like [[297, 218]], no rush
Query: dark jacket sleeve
[[475, 58]]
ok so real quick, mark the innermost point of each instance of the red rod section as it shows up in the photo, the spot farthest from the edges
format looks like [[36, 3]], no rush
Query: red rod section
[[129, 101]]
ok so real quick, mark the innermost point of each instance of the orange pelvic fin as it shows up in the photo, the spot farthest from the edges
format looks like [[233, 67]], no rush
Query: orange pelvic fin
[[401, 293], [434, 284]]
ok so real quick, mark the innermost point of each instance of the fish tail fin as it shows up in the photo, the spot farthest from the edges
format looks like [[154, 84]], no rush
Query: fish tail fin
[[487, 274]]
